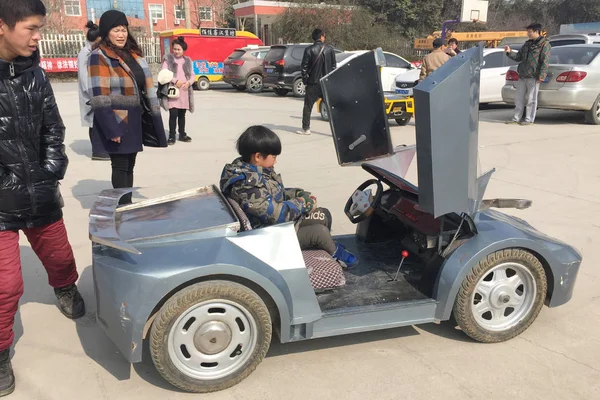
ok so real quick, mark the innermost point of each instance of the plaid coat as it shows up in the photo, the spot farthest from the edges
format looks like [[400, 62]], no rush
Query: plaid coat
[[533, 59], [118, 105]]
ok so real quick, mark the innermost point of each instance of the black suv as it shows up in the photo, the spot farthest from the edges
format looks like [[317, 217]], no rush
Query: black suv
[[282, 68]]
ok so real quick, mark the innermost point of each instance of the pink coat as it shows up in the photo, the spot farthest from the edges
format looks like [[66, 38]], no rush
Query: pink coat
[[185, 101]]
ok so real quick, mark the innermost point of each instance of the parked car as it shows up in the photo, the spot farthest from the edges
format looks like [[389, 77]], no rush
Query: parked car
[[243, 68], [493, 72], [282, 68], [574, 38], [208, 292], [573, 81]]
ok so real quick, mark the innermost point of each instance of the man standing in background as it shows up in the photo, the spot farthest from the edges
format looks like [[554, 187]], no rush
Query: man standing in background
[[434, 60]]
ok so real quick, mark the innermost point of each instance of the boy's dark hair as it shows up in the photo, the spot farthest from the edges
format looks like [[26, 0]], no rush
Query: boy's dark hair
[[453, 40], [258, 139], [535, 27], [12, 12], [93, 32], [180, 41], [317, 33]]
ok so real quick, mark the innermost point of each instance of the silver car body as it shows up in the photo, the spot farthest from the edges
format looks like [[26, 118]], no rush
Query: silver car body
[[146, 252], [566, 95]]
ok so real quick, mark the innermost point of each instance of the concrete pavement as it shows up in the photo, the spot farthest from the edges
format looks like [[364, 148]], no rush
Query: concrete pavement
[[554, 163]]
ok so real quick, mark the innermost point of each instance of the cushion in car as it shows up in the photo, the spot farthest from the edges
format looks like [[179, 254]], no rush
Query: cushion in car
[[246, 225], [324, 272]]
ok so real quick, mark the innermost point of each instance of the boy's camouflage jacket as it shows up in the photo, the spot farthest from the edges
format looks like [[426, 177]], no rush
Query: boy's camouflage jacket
[[261, 194]]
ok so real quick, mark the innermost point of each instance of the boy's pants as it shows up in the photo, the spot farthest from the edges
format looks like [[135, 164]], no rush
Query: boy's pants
[[314, 231], [51, 245], [526, 98]]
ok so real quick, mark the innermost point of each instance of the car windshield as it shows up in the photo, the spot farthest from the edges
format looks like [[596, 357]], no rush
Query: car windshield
[[236, 55], [276, 53], [573, 55]]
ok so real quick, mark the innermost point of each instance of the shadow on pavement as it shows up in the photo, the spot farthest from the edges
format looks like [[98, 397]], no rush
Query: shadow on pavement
[[448, 330], [82, 148]]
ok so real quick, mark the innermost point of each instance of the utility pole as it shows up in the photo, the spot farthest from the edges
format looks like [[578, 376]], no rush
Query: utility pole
[[188, 14]]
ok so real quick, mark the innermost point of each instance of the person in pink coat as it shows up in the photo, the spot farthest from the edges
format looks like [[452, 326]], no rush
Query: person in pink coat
[[183, 77]]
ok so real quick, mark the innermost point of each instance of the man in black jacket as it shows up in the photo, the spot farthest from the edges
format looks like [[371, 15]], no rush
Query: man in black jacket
[[32, 161], [318, 61]]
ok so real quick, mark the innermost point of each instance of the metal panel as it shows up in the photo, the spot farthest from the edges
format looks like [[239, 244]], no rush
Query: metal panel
[[447, 121], [355, 100]]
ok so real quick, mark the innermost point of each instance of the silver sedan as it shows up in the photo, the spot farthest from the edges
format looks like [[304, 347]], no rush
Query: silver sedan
[[573, 81]]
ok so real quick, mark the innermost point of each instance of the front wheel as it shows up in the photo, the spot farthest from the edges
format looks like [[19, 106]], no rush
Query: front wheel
[[202, 84], [299, 88], [403, 121], [210, 336], [324, 111], [501, 297], [593, 116]]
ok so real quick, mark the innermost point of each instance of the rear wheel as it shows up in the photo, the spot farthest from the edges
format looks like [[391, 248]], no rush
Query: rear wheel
[[299, 88], [210, 336], [254, 83], [202, 84], [593, 116], [403, 121], [501, 297], [281, 92], [324, 111]]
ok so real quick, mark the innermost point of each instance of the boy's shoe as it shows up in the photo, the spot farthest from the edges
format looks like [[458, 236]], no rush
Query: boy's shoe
[[171, 140], [344, 257], [7, 378], [185, 138], [70, 302], [303, 132]]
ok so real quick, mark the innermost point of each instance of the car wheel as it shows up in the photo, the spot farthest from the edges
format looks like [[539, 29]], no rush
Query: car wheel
[[593, 116], [501, 297], [281, 92], [202, 84], [299, 88], [324, 111], [210, 336], [254, 83], [403, 121]]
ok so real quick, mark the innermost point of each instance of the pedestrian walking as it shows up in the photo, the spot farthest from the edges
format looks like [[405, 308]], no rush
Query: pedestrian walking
[[434, 60], [32, 162], [87, 116], [183, 78], [126, 108], [318, 61], [533, 68]]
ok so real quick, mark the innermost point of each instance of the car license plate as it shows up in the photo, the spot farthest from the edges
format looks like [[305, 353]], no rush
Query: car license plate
[[402, 91], [269, 70], [397, 109]]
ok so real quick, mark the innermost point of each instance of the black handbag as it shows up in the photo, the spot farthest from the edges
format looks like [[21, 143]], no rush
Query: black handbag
[[149, 136]]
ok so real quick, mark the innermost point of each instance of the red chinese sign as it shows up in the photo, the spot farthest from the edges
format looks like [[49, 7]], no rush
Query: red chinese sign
[[59, 64]]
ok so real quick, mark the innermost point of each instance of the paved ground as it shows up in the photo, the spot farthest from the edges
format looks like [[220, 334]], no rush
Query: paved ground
[[554, 163]]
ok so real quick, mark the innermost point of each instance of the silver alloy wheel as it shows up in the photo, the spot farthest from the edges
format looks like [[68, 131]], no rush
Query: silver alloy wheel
[[212, 339], [203, 84], [324, 111], [255, 83], [300, 88], [503, 297], [598, 110]]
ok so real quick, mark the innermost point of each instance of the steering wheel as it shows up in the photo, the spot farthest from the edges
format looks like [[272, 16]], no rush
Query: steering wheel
[[359, 207]]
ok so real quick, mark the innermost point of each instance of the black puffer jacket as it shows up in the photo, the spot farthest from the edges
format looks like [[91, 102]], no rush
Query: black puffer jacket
[[32, 154], [313, 68]]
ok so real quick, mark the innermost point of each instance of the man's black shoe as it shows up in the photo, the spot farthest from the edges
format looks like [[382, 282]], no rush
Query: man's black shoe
[[7, 378], [100, 157], [70, 302]]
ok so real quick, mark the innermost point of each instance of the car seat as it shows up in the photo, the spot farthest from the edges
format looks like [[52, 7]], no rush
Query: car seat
[[323, 271]]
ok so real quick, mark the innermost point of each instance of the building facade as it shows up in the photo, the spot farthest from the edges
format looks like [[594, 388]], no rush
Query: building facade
[[149, 16]]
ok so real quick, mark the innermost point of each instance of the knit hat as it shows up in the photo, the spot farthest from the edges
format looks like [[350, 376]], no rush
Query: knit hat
[[110, 19]]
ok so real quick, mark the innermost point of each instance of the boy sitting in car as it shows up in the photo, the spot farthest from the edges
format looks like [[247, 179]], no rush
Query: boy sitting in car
[[251, 181]]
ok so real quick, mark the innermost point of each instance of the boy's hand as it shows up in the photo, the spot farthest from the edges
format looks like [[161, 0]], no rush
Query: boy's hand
[[310, 203]]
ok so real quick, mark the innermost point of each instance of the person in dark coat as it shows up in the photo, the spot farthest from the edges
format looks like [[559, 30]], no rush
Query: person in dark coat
[[32, 162], [123, 99], [318, 61]]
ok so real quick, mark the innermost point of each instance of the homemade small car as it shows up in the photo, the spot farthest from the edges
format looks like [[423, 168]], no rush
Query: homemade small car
[[188, 272]]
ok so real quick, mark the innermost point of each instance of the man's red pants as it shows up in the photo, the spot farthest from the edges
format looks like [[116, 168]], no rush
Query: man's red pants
[[51, 244]]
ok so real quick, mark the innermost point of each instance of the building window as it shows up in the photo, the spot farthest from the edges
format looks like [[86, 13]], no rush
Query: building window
[[156, 11], [179, 13], [205, 13], [72, 8]]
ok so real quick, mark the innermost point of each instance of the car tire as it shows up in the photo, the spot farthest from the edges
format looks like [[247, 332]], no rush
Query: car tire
[[299, 88], [483, 316], [202, 84], [403, 121], [254, 83], [324, 111], [231, 325], [593, 115], [281, 92]]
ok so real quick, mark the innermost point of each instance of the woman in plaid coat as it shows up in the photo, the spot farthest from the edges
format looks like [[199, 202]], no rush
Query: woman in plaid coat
[[123, 99]]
